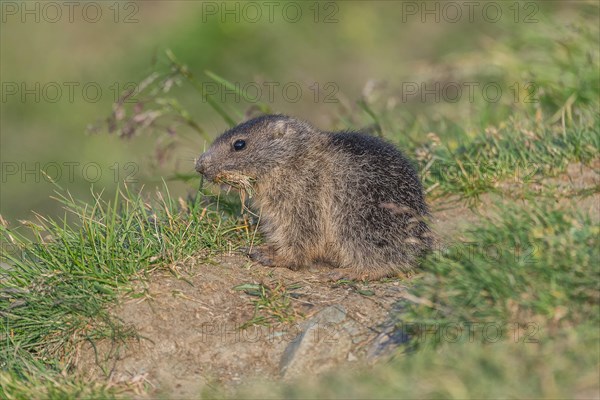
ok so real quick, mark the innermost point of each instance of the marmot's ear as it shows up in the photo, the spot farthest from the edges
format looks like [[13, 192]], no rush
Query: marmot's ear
[[281, 129]]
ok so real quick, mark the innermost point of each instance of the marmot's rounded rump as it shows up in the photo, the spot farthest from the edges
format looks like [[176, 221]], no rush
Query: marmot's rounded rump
[[348, 200]]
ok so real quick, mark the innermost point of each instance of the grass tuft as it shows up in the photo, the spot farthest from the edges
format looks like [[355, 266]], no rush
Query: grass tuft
[[60, 276], [534, 265]]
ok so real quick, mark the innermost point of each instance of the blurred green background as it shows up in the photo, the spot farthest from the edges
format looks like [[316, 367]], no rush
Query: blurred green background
[[362, 56]]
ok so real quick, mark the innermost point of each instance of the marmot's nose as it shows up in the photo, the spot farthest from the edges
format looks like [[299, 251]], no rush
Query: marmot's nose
[[200, 164]]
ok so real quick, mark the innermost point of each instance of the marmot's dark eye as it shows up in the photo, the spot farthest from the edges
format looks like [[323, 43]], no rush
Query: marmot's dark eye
[[239, 144]]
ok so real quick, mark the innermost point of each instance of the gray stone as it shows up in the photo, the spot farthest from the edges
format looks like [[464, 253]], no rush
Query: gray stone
[[392, 335], [323, 343]]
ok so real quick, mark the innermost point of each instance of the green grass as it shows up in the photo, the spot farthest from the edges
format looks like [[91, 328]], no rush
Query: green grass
[[518, 152], [528, 264], [64, 275], [272, 303], [47, 385]]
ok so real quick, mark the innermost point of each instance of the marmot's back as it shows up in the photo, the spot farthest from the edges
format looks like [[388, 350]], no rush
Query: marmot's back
[[380, 169], [381, 214]]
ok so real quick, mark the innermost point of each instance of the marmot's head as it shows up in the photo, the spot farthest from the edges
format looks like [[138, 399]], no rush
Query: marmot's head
[[250, 150]]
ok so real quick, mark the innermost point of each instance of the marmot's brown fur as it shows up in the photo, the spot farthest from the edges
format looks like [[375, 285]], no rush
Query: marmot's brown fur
[[344, 199]]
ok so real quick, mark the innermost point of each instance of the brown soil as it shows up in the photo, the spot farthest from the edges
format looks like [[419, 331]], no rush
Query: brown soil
[[188, 318], [190, 332]]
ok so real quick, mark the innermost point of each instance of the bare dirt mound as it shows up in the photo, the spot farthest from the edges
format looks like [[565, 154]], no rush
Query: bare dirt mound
[[194, 321], [193, 328]]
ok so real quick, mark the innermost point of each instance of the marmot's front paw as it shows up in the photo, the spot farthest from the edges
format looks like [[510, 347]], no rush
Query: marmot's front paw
[[267, 257], [263, 256]]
